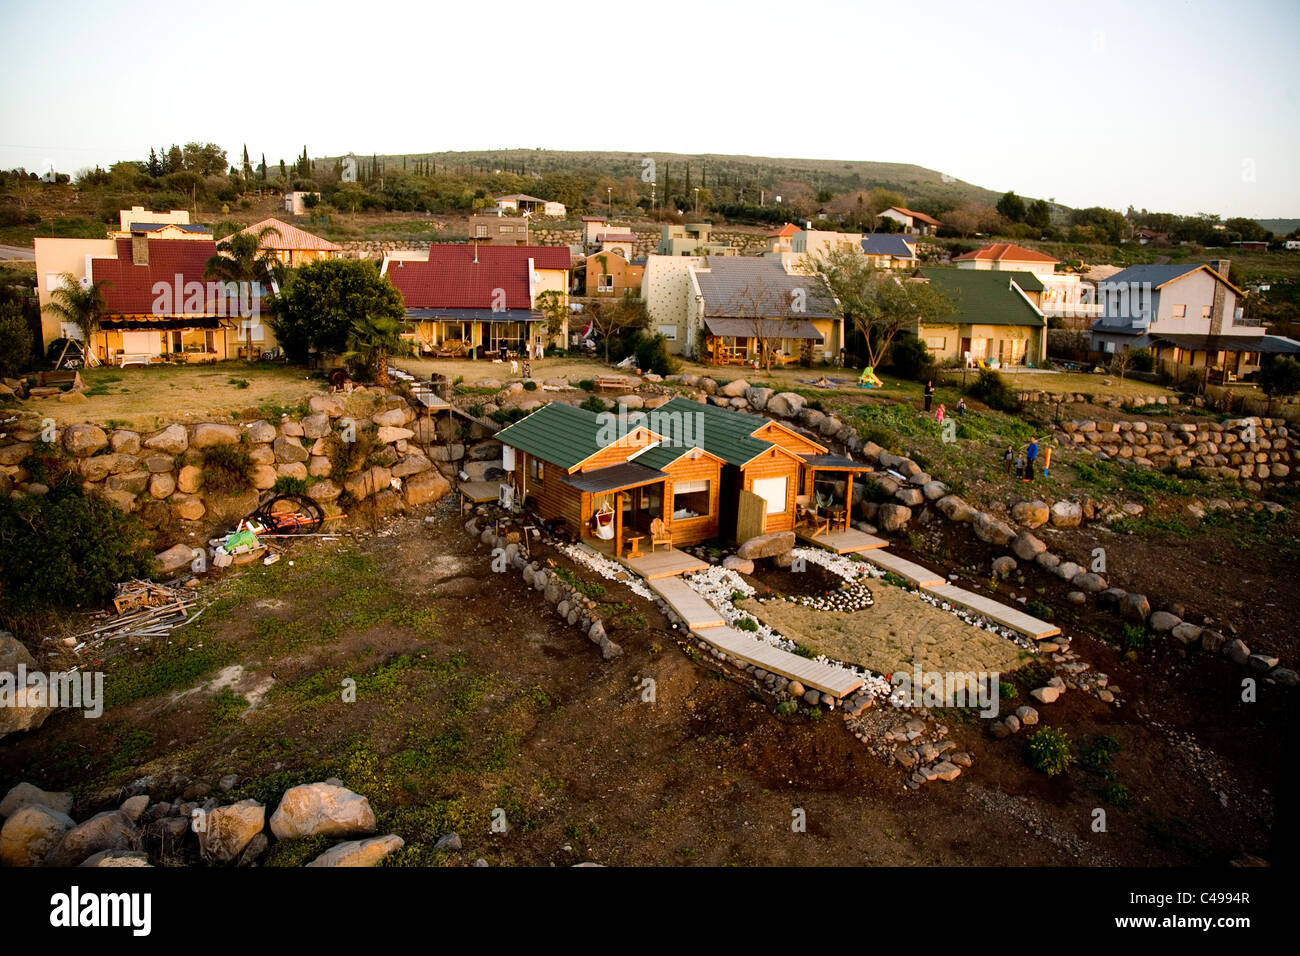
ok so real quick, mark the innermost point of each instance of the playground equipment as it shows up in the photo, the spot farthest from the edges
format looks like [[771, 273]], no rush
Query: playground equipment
[[869, 380]]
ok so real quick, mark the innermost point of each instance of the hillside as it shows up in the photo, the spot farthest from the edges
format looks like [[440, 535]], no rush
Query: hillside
[[750, 172]]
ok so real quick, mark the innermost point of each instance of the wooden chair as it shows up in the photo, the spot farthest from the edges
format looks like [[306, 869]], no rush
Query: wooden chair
[[807, 517], [659, 534]]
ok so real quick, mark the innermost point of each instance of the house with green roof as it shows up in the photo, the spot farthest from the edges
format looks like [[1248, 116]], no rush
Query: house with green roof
[[706, 472], [998, 318]]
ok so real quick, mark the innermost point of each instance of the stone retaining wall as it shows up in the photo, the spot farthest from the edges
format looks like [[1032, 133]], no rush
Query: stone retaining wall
[[159, 475], [1247, 448]]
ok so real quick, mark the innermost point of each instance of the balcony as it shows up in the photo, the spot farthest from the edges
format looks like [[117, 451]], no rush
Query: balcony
[[1071, 309]]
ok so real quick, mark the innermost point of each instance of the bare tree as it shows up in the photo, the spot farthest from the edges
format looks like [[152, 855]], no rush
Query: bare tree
[[767, 313]]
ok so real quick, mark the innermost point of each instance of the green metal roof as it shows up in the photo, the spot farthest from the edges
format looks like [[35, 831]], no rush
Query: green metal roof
[[557, 433], [985, 296], [719, 431]]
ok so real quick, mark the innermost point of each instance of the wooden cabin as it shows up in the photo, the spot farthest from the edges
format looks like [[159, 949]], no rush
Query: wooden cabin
[[706, 472]]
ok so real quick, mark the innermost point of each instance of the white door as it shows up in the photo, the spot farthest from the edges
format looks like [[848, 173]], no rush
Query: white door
[[771, 490], [145, 343]]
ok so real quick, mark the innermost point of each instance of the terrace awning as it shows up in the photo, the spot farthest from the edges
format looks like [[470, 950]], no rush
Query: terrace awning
[[763, 328], [834, 463], [602, 481]]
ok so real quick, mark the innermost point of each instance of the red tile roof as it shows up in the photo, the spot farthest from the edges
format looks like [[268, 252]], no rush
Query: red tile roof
[[789, 229], [129, 288], [1006, 252], [918, 215], [451, 279], [290, 237]]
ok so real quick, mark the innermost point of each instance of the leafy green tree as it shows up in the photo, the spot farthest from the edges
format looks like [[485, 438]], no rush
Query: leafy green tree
[[82, 307], [242, 257], [320, 302], [371, 341], [15, 339], [1012, 207], [876, 302], [1039, 214], [551, 304], [1279, 375]]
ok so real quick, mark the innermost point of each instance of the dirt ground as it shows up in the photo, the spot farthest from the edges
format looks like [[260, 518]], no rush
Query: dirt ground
[[471, 698], [897, 631]]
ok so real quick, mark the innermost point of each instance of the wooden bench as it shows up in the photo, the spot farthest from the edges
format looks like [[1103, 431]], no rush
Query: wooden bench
[[59, 379], [613, 381], [123, 359]]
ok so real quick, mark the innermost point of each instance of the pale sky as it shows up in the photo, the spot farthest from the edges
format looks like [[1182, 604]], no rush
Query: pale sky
[[1176, 106]]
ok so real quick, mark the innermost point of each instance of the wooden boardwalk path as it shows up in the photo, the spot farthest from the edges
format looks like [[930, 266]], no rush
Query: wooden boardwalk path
[[1026, 624]]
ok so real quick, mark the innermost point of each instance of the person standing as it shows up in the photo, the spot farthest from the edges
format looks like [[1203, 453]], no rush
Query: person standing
[[961, 408], [1031, 455], [1009, 459], [929, 394], [938, 416]]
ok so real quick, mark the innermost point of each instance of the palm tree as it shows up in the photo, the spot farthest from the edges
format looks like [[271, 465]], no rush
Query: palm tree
[[78, 305], [371, 342], [241, 257]]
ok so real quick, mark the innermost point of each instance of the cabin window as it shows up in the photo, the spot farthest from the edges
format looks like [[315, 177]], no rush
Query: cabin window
[[536, 469], [480, 232], [605, 283], [936, 342], [772, 490], [691, 499], [1180, 312], [1205, 311]]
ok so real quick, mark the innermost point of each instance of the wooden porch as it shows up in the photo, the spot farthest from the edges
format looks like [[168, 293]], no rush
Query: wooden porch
[[663, 562], [842, 541]]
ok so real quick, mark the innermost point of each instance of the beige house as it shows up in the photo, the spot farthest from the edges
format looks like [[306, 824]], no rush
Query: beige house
[[293, 246], [692, 239], [997, 321]]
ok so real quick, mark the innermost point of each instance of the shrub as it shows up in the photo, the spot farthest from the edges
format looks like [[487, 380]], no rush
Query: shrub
[[15, 340], [1008, 690], [289, 485], [911, 359], [746, 624], [593, 403], [1049, 751], [1135, 637], [992, 389], [530, 386], [1141, 360], [226, 468], [48, 464], [1040, 609], [507, 416], [587, 385], [1117, 795], [652, 355], [65, 549], [237, 382]]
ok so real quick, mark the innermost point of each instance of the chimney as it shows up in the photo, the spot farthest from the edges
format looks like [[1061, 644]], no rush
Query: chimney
[[1220, 266], [140, 248]]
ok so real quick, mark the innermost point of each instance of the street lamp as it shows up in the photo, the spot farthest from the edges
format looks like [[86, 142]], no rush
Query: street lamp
[[609, 202], [697, 200]]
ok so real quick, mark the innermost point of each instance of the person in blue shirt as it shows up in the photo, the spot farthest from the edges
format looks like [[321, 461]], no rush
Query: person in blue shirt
[[1031, 454]]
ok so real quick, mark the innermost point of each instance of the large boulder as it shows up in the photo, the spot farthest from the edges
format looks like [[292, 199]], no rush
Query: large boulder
[[1135, 608], [390, 418], [111, 830], [1067, 514], [31, 833], [767, 545], [954, 508], [84, 440], [1027, 546], [261, 432], [757, 396], [993, 530], [189, 479], [785, 404], [124, 442], [289, 449], [211, 434], [330, 405], [30, 706], [368, 482], [228, 830], [734, 389], [25, 795], [172, 440], [175, 558], [388, 434], [891, 517], [316, 426], [324, 809], [360, 852], [425, 487], [1030, 514]]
